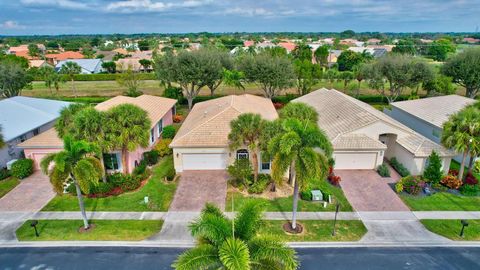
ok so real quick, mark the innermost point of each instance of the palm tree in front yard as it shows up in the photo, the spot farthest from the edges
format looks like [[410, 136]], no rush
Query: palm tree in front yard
[[246, 130], [234, 244], [77, 162], [71, 69], [303, 149], [462, 133]]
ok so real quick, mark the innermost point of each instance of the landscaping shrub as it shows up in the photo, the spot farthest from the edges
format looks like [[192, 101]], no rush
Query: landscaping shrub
[[151, 157], [173, 92], [177, 118], [383, 170], [240, 172], [101, 188], [399, 167], [162, 147], [102, 77], [22, 168], [278, 105], [284, 99], [4, 173], [262, 183], [334, 180], [439, 187], [470, 179], [130, 183], [412, 184], [399, 187], [433, 173], [72, 190], [184, 101], [170, 173], [453, 172], [377, 99], [470, 190], [306, 195], [168, 132], [115, 179], [141, 172], [451, 181]]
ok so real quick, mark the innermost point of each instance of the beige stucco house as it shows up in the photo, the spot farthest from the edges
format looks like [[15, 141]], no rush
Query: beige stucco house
[[202, 141], [362, 137]]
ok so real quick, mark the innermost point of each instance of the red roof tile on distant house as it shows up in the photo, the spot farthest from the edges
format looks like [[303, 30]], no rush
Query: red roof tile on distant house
[[24, 54], [289, 46], [15, 49], [65, 55], [248, 43]]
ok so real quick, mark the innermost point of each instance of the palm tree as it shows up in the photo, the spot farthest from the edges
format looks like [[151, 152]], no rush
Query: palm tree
[[234, 245], [127, 129], [246, 130], [303, 149], [70, 69], [76, 163], [233, 78], [300, 111], [65, 122], [462, 132]]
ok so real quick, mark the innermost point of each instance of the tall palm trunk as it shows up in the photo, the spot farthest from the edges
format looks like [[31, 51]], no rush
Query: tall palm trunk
[[124, 160], [255, 165], [80, 203], [295, 197], [104, 175], [470, 164], [462, 166]]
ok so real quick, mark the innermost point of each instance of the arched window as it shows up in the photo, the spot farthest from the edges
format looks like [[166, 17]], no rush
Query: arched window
[[242, 154]]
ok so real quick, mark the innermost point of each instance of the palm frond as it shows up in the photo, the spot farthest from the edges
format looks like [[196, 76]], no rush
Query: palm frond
[[270, 248], [61, 160], [212, 228], [280, 165], [212, 209], [234, 254], [58, 178], [202, 257], [248, 220], [46, 161], [86, 175]]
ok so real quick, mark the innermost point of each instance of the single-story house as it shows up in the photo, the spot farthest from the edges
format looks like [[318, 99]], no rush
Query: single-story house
[[362, 137], [202, 141], [22, 118], [54, 58], [160, 111], [88, 66], [427, 115]]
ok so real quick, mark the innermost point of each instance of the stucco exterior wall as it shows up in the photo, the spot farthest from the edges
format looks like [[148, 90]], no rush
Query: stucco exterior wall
[[11, 151], [375, 130]]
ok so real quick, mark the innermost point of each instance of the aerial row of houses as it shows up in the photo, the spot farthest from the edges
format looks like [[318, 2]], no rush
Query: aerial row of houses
[[362, 137]]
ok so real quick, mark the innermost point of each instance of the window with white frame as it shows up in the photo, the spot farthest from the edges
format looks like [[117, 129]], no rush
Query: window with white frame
[[265, 165], [152, 135], [112, 161], [160, 127], [242, 154]]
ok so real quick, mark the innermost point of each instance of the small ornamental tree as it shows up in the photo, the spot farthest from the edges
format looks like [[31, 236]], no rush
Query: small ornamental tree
[[433, 173]]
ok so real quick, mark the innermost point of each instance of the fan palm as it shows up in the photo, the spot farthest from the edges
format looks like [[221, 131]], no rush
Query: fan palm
[[70, 69], [246, 131], [234, 244], [65, 121], [462, 133], [303, 149], [76, 163]]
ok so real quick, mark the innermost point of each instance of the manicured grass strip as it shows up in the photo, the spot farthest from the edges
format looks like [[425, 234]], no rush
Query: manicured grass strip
[[104, 230], [442, 201], [451, 228], [317, 230], [285, 204], [8, 184], [160, 195]]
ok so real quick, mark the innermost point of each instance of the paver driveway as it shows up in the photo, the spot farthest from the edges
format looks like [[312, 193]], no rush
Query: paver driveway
[[367, 191], [199, 187], [31, 195]]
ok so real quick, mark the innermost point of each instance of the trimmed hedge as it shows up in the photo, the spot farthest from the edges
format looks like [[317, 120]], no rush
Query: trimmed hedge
[[399, 167], [22, 168], [88, 100], [383, 170], [102, 77], [168, 132]]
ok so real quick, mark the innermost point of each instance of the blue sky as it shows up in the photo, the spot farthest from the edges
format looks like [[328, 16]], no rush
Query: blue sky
[[20, 17]]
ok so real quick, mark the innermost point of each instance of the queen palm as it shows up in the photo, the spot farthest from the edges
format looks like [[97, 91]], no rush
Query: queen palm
[[246, 131], [303, 149], [234, 244], [71, 69], [77, 162], [462, 132]]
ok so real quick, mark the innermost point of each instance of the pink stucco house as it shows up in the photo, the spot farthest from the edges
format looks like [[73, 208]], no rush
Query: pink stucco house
[[160, 111]]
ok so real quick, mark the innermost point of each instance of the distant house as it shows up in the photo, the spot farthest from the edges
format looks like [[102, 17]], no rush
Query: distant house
[[124, 64], [361, 50], [38, 63], [471, 40], [388, 48], [202, 141], [88, 66], [289, 46], [374, 41], [427, 115], [22, 118], [160, 111], [17, 49], [362, 137], [333, 56], [54, 58], [248, 43]]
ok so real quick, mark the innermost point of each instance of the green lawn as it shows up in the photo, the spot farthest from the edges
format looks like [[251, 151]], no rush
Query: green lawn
[[104, 230], [317, 230], [8, 184], [451, 228], [285, 204], [442, 201], [160, 195]]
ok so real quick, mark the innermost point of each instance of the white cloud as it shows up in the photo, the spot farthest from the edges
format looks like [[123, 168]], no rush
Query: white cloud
[[11, 25], [66, 4], [131, 6], [249, 11]]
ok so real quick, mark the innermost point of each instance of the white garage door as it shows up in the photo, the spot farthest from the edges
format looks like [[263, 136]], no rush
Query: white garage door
[[355, 161], [204, 161]]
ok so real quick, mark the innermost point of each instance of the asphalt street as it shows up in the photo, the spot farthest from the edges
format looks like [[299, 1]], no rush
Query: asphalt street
[[312, 258]]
